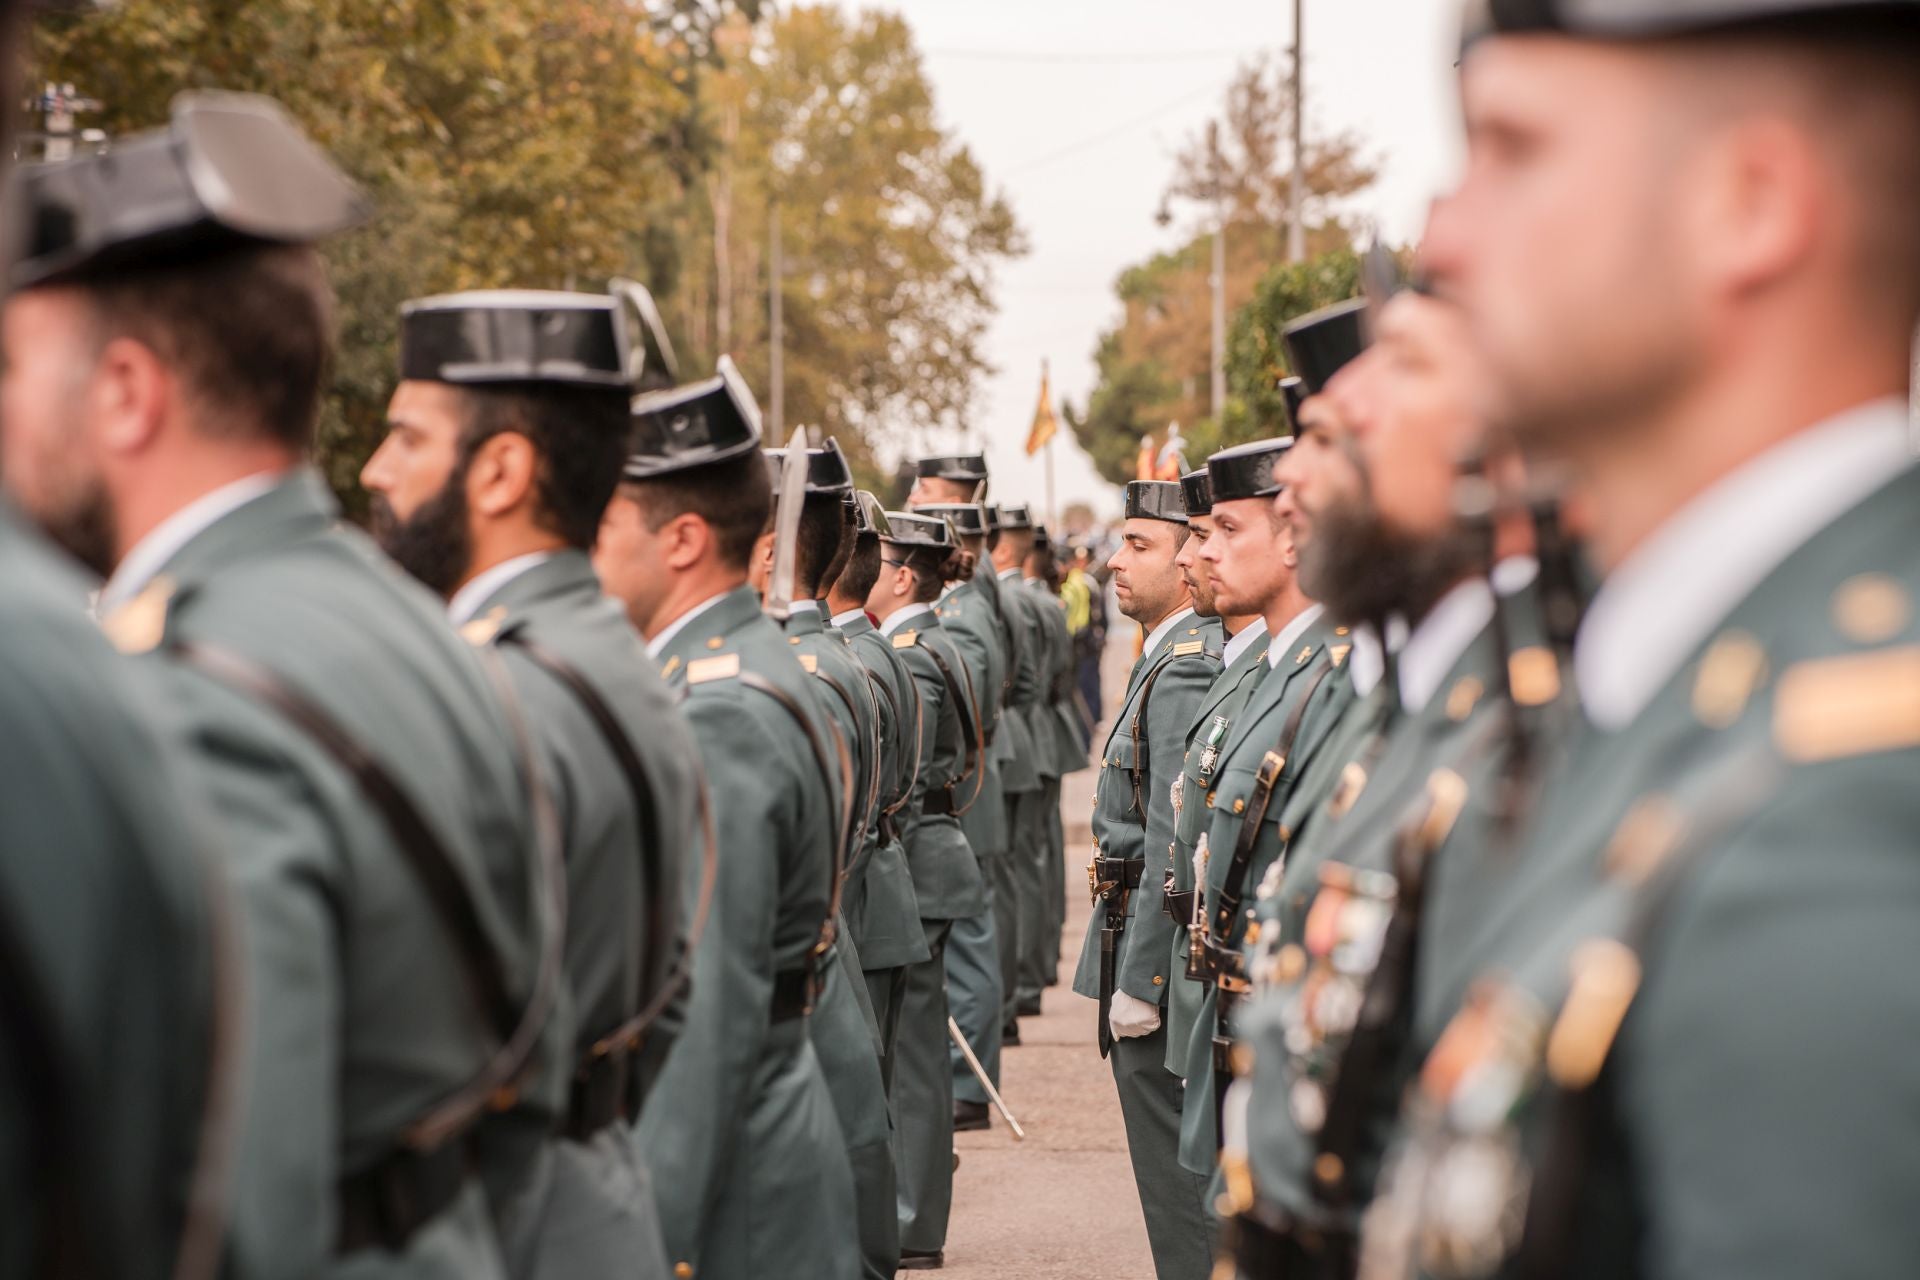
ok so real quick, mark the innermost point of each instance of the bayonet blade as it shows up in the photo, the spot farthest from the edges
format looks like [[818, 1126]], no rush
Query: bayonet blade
[[787, 504]]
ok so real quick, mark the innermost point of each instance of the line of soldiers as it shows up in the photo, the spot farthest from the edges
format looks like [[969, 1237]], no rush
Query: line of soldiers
[[572, 878], [1506, 855]]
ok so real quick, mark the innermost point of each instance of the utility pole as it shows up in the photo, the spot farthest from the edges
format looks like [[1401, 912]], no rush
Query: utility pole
[[1219, 273], [1296, 187], [776, 361]]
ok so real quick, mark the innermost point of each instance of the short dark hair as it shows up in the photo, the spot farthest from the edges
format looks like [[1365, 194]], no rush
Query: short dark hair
[[862, 568], [580, 434], [733, 497], [822, 523], [249, 332], [843, 550], [932, 569]]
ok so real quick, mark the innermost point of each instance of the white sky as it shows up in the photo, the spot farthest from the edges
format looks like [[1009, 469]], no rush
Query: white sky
[[1081, 137]]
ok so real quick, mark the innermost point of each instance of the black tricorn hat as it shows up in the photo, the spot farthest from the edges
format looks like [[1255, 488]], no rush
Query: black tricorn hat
[[1016, 517], [1155, 500], [1294, 392], [1196, 492], [827, 470], [1634, 19], [1246, 470], [1042, 540], [871, 517], [693, 426], [966, 468], [515, 335], [1320, 344], [917, 529], [969, 519], [651, 364], [232, 170]]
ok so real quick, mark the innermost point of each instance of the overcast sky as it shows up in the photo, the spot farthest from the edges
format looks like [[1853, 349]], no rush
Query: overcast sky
[[1075, 109]]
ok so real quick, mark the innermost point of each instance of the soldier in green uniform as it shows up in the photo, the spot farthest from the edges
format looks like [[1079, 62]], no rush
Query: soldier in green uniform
[[970, 609], [1668, 1049], [1342, 913], [1244, 660], [167, 342], [1279, 731], [843, 1009], [1027, 808], [749, 1160], [919, 555], [116, 970], [504, 443], [1068, 732], [882, 910], [1123, 964]]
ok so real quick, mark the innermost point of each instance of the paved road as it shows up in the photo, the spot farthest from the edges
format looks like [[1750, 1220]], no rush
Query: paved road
[[1049, 1207]]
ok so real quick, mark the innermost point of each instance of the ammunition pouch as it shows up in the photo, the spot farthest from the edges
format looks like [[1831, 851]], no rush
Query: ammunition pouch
[[794, 991], [384, 1206]]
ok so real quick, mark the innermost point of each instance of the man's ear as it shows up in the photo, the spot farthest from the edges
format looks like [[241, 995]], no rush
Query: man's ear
[[684, 541], [503, 475], [132, 395]]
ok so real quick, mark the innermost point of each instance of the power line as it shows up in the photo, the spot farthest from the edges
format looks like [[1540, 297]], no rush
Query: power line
[[1109, 135], [1068, 56]]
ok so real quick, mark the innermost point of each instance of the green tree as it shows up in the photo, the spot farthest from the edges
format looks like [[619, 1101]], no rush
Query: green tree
[[1155, 366]]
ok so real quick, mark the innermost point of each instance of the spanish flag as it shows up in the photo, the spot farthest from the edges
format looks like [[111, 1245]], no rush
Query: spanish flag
[[1045, 425]]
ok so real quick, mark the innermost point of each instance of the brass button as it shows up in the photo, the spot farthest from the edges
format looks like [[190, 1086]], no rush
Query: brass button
[[1328, 1167], [683, 1270], [715, 643], [793, 639], [1239, 806], [1157, 979]]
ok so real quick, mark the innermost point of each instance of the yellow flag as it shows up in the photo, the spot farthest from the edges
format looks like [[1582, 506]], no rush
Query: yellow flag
[[1045, 425]]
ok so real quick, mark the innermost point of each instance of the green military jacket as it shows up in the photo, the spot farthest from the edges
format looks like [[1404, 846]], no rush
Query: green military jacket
[[1058, 736], [1308, 691], [1206, 737], [1685, 980], [360, 1016], [1023, 704], [973, 625], [854, 707], [748, 1156], [947, 879], [1132, 806], [1355, 870], [113, 931], [883, 911], [627, 857]]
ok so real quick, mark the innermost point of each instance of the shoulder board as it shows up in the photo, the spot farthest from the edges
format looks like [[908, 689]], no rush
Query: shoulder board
[[1854, 705], [483, 629], [1189, 647], [1340, 652], [809, 663], [906, 639], [672, 665], [706, 670]]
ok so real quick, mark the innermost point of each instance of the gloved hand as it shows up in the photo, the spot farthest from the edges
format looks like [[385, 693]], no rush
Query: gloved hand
[[1128, 1017]]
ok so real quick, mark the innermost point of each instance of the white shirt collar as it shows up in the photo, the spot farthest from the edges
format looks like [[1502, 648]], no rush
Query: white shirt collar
[[1513, 575], [803, 606], [1442, 636], [1664, 600], [1159, 633], [679, 624], [949, 589], [1243, 640], [1367, 663], [1008, 575], [467, 600], [842, 619], [902, 616], [164, 541], [1283, 643]]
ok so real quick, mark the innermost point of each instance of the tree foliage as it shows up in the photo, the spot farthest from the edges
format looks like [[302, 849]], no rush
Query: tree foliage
[[557, 143], [1154, 366]]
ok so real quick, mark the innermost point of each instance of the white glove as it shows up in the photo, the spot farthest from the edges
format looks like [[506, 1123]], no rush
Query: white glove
[[1128, 1017]]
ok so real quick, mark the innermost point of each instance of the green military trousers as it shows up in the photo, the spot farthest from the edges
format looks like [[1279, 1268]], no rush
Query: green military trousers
[[923, 1099], [845, 1040], [886, 989], [1056, 878], [1172, 1199], [1039, 938], [973, 987]]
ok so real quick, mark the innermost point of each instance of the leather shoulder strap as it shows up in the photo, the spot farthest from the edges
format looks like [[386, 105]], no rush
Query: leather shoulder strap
[[640, 789], [969, 714]]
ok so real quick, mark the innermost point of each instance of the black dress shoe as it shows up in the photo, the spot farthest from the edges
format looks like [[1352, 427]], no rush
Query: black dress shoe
[[1029, 1008], [1010, 1035], [968, 1116], [914, 1260]]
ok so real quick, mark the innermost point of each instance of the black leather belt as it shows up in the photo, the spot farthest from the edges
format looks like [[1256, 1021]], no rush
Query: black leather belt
[[938, 803], [602, 1093], [793, 993], [1262, 1251], [1122, 874], [383, 1206]]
